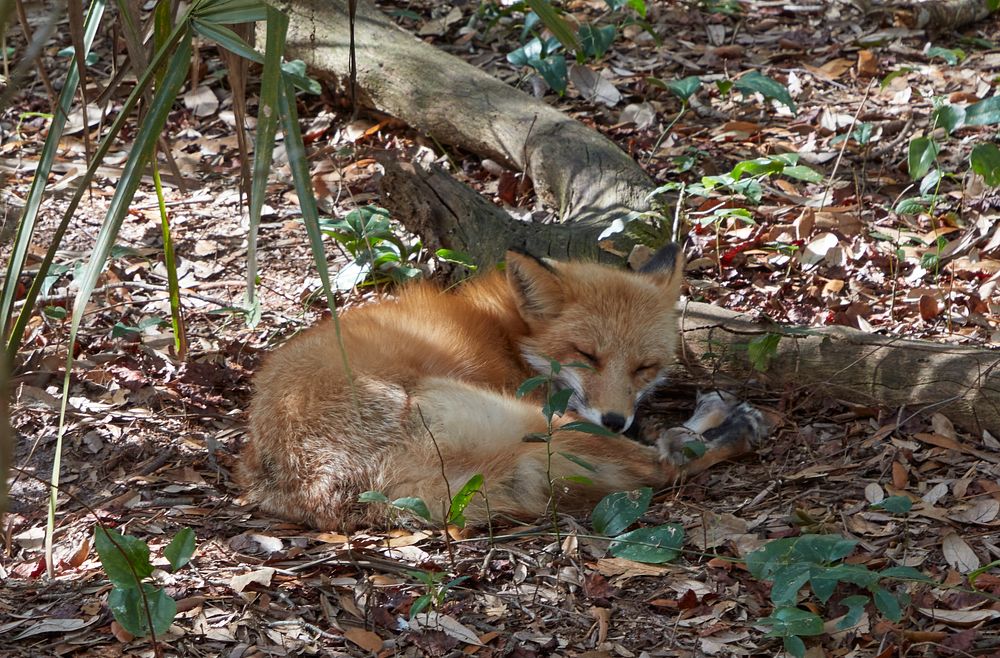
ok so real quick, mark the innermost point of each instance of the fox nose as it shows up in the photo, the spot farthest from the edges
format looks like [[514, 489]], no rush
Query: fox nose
[[614, 422]]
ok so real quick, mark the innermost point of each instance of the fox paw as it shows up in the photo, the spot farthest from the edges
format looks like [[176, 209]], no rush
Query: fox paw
[[720, 423]]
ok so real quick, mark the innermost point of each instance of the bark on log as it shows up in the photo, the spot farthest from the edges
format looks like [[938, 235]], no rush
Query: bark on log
[[961, 382], [574, 168], [445, 213], [944, 15]]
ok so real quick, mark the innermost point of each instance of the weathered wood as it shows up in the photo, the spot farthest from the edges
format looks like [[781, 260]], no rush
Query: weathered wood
[[446, 213], [866, 369], [574, 168]]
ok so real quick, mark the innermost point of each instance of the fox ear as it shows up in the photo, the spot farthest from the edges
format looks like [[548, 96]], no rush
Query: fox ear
[[536, 286], [667, 268]]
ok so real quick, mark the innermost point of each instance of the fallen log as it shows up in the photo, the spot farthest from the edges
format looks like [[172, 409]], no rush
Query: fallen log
[[961, 382], [574, 169]]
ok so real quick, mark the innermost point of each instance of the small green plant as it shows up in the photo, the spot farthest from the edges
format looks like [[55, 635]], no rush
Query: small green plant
[[456, 510], [817, 561], [437, 590], [139, 606], [618, 511], [374, 242], [588, 42]]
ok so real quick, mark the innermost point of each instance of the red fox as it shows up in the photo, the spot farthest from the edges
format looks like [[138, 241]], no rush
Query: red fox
[[430, 397]]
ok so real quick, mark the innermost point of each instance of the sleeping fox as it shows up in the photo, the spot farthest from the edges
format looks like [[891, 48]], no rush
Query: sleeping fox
[[430, 397]]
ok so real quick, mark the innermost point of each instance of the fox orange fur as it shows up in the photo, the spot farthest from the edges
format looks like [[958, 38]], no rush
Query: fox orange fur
[[432, 381]]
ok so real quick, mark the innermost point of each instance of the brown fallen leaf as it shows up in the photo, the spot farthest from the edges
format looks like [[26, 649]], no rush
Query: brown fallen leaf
[[929, 307], [958, 554], [365, 639]]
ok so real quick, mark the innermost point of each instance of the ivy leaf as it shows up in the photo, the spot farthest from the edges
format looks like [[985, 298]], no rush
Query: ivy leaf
[[617, 511], [985, 161], [684, 88], [895, 504], [855, 608], [757, 82], [414, 505], [372, 497], [651, 545]]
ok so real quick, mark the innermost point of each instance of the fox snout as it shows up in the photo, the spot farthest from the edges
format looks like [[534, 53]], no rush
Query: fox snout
[[615, 422]]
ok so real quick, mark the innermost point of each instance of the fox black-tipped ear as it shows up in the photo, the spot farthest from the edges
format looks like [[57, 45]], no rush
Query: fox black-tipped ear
[[664, 260], [536, 287], [667, 268]]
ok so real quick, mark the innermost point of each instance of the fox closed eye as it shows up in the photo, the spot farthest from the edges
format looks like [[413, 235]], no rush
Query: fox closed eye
[[590, 357]]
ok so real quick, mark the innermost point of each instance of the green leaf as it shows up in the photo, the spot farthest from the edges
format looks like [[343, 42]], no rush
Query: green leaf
[[420, 604], [984, 113], [694, 449], [231, 11], [129, 610], [559, 28], [226, 38], [756, 82], [794, 645], [124, 558], [579, 479], [912, 206], [762, 349], [530, 384], [617, 511], [905, 573], [372, 497], [756, 167], [557, 403], [788, 580], [855, 608], [18, 250], [684, 88], [651, 545], [180, 549], [950, 117], [414, 505], [895, 504], [887, 604], [788, 621], [595, 41], [803, 173], [456, 257], [267, 127], [985, 161], [823, 549], [638, 5], [579, 461], [553, 71], [951, 55], [587, 428], [763, 562], [462, 499], [56, 312], [922, 155]]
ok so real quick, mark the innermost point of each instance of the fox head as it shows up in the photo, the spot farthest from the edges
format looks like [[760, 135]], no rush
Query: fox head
[[622, 325]]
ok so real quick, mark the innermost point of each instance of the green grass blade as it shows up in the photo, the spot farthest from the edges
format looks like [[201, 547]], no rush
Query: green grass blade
[[226, 38], [26, 226], [555, 23], [299, 165], [170, 263], [124, 116], [232, 11], [140, 154], [267, 126]]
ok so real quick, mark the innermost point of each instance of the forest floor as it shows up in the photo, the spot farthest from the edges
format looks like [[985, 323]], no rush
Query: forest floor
[[151, 439]]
